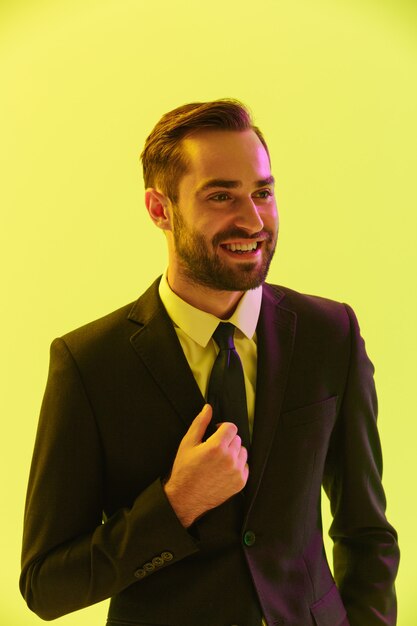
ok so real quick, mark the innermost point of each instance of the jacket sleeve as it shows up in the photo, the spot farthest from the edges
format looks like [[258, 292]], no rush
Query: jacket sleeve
[[71, 557], [365, 551]]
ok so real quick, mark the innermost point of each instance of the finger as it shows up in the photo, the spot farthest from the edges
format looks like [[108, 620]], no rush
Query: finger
[[245, 473], [242, 456], [198, 427], [224, 434], [235, 445]]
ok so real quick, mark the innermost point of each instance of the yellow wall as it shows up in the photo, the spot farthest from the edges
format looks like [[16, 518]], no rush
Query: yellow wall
[[333, 86]]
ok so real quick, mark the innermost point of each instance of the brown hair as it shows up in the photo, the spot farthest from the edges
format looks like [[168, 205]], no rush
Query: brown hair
[[162, 158]]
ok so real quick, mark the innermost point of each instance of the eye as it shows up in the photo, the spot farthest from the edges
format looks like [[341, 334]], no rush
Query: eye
[[223, 196], [268, 193], [220, 197]]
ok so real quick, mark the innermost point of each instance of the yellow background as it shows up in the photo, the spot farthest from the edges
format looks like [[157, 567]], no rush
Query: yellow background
[[332, 83]]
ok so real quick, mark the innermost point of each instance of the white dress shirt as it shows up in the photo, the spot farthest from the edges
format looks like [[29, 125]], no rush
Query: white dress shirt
[[195, 328]]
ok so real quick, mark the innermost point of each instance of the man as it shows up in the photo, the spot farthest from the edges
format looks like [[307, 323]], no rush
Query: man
[[139, 493]]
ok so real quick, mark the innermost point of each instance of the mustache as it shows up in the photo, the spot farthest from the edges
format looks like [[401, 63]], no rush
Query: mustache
[[237, 233]]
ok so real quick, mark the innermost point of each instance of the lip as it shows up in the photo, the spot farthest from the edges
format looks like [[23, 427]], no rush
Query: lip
[[243, 242], [244, 256]]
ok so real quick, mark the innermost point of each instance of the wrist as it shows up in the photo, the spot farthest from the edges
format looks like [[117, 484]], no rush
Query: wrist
[[180, 507]]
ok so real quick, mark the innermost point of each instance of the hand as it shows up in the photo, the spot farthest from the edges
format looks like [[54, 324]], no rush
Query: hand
[[206, 473]]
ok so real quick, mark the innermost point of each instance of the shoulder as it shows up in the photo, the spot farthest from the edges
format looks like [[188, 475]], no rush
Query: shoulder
[[310, 310], [115, 328], [298, 301]]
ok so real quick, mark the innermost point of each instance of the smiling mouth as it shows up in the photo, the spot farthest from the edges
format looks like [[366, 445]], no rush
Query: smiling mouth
[[242, 248]]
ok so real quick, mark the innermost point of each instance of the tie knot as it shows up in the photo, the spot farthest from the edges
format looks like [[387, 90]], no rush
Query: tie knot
[[223, 336]]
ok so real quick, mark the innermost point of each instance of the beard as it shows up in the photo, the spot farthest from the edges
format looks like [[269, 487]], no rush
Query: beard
[[204, 266]]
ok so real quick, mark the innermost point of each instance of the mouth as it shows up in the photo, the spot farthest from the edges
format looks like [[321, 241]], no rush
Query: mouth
[[240, 248]]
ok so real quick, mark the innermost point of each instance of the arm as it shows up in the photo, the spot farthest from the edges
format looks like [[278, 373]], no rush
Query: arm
[[365, 551], [70, 559]]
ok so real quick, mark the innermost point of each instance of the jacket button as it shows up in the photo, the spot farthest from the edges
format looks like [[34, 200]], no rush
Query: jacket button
[[140, 573], [149, 567], [158, 561], [167, 556], [249, 538]]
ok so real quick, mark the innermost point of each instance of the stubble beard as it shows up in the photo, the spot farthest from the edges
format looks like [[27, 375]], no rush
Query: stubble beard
[[205, 268]]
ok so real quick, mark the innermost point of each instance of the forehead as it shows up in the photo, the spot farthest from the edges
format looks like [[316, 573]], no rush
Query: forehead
[[225, 154]]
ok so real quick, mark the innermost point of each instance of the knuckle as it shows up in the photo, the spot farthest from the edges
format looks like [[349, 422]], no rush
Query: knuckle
[[229, 429], [216, 449]]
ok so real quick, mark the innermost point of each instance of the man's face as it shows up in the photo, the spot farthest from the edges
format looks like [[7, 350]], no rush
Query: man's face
[[225, 226]]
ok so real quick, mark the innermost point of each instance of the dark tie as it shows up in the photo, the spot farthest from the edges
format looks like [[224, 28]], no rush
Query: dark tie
[[226, 388]]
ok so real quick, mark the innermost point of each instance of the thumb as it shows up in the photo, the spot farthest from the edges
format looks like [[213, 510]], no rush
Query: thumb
[[198, 427]]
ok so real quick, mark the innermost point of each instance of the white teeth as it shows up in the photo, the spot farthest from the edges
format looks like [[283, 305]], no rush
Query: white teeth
[[244, 247]]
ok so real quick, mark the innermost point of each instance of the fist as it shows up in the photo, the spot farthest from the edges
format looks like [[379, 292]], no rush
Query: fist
[[206, 473]]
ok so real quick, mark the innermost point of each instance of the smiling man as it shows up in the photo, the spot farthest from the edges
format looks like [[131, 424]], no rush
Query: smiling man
[[184, 439]]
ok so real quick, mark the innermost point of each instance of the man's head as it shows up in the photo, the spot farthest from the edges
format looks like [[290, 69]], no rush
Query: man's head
[[209, 187], [163, 158]]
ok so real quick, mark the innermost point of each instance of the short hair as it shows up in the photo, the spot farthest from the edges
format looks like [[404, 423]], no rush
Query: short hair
[[163, 159]]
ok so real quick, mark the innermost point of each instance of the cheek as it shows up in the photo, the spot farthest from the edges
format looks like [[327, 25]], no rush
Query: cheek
[[272, 217], [205, 230], [210, 225]]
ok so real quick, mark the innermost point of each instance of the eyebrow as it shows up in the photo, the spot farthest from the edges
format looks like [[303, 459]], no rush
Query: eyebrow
[[233, 184]]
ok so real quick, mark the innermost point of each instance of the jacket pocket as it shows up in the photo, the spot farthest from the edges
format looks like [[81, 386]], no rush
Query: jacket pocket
[[310, 413], [329, 610]]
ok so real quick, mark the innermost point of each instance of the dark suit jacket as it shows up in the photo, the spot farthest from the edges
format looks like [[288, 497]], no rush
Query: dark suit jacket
[[120, 396]]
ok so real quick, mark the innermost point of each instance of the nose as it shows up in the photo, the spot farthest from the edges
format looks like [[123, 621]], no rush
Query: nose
[[248, 217]]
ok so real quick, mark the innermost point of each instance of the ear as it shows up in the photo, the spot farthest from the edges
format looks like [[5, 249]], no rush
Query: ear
[[157, 205]]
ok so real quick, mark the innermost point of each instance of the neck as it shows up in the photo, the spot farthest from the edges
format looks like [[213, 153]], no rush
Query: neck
[[222, 304]]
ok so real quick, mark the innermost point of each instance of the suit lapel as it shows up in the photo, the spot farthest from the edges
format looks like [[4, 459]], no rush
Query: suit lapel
[[159, 348], [275, 338]]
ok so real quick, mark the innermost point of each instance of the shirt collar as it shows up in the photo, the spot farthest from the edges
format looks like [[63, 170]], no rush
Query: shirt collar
[[200, 325]]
